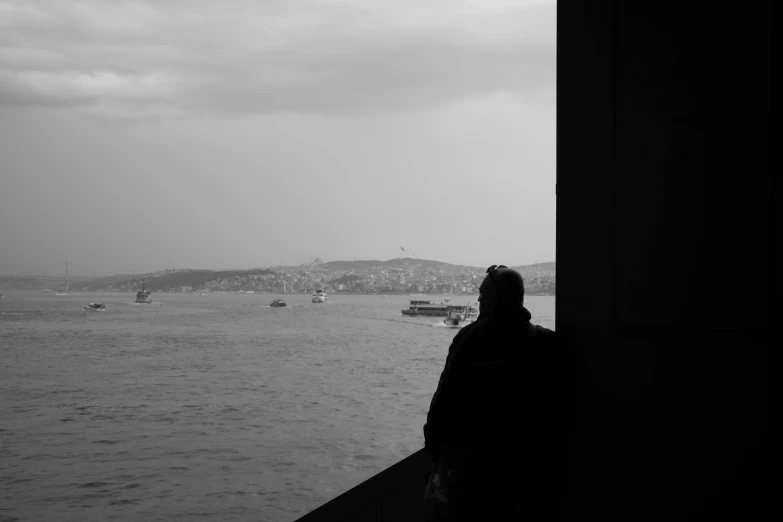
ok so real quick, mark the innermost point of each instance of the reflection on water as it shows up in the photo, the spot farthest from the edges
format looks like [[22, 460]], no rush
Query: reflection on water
[[215, 407]]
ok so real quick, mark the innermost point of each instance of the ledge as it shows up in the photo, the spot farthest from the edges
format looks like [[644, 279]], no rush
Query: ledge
[[396, 493]]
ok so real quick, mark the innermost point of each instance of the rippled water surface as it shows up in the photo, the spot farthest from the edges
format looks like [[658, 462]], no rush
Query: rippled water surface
[[211, 407]]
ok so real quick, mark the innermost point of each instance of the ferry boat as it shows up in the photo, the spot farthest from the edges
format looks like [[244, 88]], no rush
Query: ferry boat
[[96, 307], [460, 315], [426, 308], [319, 296], [143, 295], [277, 303]]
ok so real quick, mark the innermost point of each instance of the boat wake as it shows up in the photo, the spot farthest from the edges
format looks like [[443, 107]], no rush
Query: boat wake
[[444, 325]]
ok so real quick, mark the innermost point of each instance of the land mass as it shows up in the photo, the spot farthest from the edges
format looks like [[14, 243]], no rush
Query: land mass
[[394, 276]]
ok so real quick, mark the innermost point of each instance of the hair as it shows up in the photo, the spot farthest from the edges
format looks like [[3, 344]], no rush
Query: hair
[[510, 288]]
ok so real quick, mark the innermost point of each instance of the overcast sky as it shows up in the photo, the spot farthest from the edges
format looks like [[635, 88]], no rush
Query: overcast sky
[[137, 136]]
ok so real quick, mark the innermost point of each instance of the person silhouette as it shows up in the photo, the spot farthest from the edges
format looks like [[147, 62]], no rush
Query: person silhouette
[[492, 425]]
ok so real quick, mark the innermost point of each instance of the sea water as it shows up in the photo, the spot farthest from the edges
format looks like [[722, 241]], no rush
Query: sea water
[[209, 407]]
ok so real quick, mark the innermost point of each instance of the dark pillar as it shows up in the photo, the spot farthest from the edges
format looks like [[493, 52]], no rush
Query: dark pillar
[[666, 253]]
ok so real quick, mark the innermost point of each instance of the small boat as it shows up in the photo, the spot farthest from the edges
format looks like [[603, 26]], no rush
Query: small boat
[[96, 307], [277, 303], [143, 295], [460, 315], [319, 296]]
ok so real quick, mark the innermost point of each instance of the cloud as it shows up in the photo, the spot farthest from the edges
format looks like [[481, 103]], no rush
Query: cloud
[[198, 57]]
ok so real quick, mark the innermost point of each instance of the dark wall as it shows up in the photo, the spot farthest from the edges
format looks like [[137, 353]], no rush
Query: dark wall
[[665, 193]]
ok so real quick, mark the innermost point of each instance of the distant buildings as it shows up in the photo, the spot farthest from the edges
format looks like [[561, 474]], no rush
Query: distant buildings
[[426, 277]]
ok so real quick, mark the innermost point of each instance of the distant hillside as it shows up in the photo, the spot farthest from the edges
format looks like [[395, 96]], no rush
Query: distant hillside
[[166, 280], [198, 278], [400, 275], [400, 262], [345, 279], [342, 266], [538, 269]]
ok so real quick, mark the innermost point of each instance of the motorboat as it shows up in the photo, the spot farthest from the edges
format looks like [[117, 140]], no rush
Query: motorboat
[[95, 307], [276, 303], [460, 315], [319, 296]]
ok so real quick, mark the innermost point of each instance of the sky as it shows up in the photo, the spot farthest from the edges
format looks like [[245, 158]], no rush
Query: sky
[[144, 135]]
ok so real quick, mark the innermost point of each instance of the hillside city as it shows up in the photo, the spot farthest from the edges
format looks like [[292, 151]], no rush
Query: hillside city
[[396, 276]]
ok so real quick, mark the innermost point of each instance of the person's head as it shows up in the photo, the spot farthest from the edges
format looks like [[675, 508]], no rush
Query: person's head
[[502, 287]]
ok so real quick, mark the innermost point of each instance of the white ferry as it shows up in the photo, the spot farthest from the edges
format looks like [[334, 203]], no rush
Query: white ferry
[[319, 296], [426, 308]]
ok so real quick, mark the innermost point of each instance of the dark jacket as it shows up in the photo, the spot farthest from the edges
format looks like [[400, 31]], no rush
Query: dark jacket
[[502, 386]]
